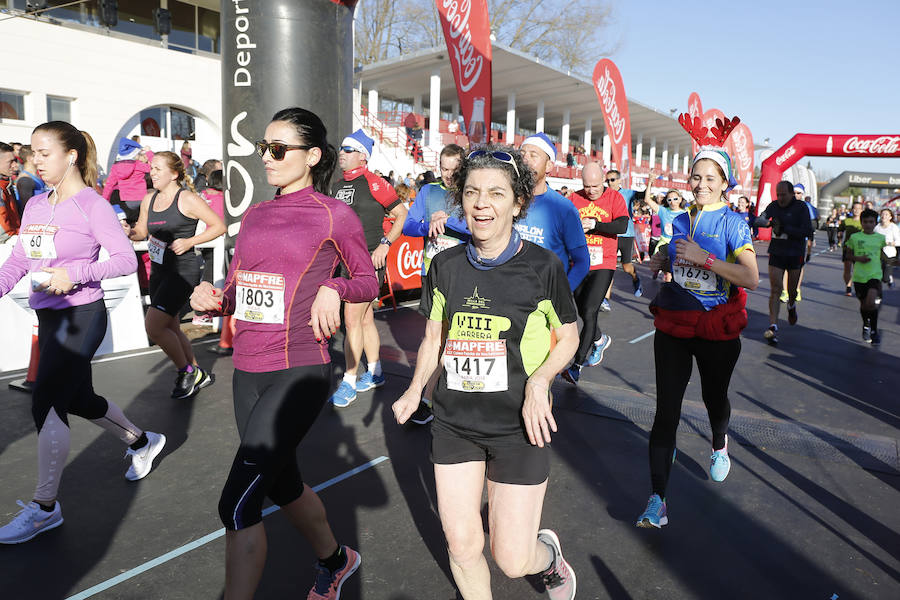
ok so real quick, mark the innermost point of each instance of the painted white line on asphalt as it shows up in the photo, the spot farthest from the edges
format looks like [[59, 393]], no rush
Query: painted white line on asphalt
[[100, 587], [643, 337]]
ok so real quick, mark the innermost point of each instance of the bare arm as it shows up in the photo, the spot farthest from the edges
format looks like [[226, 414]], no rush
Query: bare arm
[[139, 231], [426, 363], [194, 207], [537, 410]]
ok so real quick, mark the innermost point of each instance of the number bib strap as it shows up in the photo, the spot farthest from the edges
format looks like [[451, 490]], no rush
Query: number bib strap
[[476, 365], [694, 278], [37, 241], [259, 297]]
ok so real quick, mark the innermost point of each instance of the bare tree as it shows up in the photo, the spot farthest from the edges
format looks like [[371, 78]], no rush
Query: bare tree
[[570, 34]]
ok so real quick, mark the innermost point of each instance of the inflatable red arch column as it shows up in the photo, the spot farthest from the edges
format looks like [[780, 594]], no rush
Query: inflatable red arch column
[[806, 144]]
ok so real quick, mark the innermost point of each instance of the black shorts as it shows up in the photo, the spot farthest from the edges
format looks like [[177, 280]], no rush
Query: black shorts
[[862, 288], [786, 263], [626, 247], [169, 290], [516, 462]]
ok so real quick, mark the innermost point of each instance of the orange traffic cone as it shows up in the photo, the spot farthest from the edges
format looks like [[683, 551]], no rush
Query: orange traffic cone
[[27, 384]]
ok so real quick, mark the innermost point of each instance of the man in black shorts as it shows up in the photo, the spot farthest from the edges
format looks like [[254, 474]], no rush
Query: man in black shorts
[[371, 197], [791, 226]]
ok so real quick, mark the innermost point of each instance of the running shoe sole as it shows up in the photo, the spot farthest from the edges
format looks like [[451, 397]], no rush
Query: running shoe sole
[[374, 384], [603, 349], [35, 533], [350, 571], [154, 452], [648, 524]]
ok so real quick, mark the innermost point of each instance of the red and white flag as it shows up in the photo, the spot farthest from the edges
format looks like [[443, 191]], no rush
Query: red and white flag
[[695, 109], [614, 105]]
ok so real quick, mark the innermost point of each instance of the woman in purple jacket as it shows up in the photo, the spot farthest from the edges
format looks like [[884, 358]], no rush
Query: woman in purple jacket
[[59, 244], [286, 301]]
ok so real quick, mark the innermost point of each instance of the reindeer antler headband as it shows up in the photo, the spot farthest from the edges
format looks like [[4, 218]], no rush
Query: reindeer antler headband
[[711, 141]]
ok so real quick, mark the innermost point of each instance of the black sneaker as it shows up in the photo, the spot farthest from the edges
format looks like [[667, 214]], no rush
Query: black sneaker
[[189, 382], [876, 338], [423, 414], [867, 334], [221, 350], [792, 314], [849, 291]]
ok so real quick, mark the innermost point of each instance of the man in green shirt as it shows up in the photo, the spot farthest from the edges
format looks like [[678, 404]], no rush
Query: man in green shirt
[[864, 252], [848, 227]]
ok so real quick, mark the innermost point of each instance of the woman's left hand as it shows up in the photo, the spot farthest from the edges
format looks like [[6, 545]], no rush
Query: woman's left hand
[[180, 246], [690, 251], [59, 282], [325, 315], [537, 413]]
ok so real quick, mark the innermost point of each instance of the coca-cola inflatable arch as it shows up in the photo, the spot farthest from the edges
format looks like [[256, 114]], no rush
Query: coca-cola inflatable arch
[[805, 144]]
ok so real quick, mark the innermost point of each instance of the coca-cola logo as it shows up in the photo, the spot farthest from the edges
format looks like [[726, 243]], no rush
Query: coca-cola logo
[[694, 108], [606, 87], [468, 63], [741, 145], [787, 154], [409, 261], [885, 144]]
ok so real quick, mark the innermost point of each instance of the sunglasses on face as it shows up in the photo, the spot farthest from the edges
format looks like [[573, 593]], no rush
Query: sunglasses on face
[[613, 180], [348, 149], [277, 149], [503, 157]]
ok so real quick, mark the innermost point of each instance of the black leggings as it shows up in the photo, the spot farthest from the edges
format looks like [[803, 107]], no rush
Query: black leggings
[[588, 297], [68, 339], [274, 411], [832, 236], [674, 363]]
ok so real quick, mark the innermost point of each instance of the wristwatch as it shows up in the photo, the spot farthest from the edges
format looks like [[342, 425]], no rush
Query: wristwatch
[[385, 241]]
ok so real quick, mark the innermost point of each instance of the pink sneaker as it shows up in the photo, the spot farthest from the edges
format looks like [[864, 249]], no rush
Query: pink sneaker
[[559, 579], [328, 583]]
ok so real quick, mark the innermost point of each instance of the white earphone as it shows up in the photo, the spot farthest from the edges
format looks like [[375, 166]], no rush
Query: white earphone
[[71, 160]]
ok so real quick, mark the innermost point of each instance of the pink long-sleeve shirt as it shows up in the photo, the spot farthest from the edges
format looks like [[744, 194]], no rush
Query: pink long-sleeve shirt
[[86, 222], [290, 246]]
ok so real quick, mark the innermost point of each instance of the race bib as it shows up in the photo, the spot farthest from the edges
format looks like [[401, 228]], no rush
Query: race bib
[[156, 249], [476, 365], [596, 253], [259, 297], [37, 241], [442, 242], [693, 278]]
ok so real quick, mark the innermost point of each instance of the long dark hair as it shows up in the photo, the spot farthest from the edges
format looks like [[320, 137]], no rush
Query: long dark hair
[[79, 141], [312, 132]]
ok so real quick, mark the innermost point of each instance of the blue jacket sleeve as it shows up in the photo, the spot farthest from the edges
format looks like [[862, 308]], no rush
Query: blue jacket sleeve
[[576, 246], [581, 264], [458, 225], [415, 225]]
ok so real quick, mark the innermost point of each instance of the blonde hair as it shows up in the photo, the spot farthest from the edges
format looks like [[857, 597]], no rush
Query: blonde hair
[[173, 161]]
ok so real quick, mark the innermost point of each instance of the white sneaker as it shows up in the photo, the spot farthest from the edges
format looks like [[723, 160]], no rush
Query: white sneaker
[[29, 522], [142, 459]]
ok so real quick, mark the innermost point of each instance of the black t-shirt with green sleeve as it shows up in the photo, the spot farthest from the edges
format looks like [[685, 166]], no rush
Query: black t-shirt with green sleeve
[[500, 324]]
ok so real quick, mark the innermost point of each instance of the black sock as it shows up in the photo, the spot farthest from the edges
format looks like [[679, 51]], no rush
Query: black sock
[[140, 442], [335, 561], [45, 507], [873, 320], [865, 316]]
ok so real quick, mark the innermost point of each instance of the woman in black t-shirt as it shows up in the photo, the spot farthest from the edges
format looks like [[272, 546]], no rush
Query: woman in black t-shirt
[[503, 300]]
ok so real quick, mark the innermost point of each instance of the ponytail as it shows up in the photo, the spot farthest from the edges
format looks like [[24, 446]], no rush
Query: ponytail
[[88, 166]]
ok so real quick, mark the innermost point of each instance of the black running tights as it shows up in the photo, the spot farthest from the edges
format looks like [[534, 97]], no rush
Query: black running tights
[[674, 362], [588, 297]]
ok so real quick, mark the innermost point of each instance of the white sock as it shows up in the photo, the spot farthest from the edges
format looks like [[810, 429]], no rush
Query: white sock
[[351, 379], [375, 368]]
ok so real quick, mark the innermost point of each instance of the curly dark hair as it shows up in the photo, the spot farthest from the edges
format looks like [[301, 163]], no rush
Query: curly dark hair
[[522, 183]]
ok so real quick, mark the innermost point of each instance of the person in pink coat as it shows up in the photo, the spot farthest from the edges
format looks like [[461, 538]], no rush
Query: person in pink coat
[[127, 176]]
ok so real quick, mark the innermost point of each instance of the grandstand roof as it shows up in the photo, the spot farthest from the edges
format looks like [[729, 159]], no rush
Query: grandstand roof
[[531, 80]]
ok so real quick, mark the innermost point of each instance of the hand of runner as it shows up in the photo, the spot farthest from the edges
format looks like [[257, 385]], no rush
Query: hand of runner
[[688, 250], [406, 406], [588, 223], [438, 222], [659, 262], [180, 246], [862, 259], [379, 256], [59, 282], [537, 413], [325, 314], [206, 298]]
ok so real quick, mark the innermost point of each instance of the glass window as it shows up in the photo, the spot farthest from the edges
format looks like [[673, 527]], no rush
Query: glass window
[[12, 105], [208, 25], [182, 125], [184, 32], [136, 18], [59, 109], [153, 122]]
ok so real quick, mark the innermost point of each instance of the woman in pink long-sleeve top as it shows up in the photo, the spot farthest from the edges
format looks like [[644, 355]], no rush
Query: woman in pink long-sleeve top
[[58, 246], [286, 301]]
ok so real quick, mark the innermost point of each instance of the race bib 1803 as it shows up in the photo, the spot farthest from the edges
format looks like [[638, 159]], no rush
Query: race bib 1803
[[37, 241], [259, 297], [476, 365], [693, 278]]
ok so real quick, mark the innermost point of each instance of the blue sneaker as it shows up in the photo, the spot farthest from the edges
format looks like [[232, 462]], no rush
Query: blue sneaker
[[605, 306], [655, 515], [572, 374], [369, 381], [719, 463], [638, 288], [596, 355], [344, 395]]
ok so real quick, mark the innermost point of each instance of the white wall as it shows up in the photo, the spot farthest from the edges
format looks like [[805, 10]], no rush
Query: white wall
[[110, 80]]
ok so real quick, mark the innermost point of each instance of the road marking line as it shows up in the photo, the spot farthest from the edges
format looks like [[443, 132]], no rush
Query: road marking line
[[100, 587], [643, 337]]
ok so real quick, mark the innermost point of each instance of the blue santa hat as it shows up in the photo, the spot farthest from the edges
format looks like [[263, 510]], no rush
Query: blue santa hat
[[128, 149], [799, 186], [543, 142], [360, 142]]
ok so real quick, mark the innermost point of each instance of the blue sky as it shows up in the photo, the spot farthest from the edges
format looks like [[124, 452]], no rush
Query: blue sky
[[783, 67]]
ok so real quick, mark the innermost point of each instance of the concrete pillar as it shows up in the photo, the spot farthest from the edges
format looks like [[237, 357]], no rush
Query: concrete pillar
[[639, 150], [587, 135], [675, 159], [373, 103], [455, 110], [664, 161], [684, 169], [652, 156], [607, 151], [510, 118], [357, 103], [539, 124], [417, 104], [434, 109], [564, 134]]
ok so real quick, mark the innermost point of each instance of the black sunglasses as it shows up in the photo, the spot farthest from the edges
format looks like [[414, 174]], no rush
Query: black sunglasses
[[504, 157], [349, 149], [277, 149], [613, 180]]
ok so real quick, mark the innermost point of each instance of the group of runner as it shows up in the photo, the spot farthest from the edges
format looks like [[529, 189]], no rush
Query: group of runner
[[510, 267]]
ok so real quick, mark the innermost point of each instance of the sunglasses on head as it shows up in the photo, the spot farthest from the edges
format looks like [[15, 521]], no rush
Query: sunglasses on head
[[277, 149], [504, 157], [349, 149]]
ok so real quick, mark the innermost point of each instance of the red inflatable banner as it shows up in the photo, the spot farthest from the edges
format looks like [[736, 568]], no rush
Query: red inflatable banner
[[467, 31], [742, 142], [614, 105], [695, 109], [404, 263], [806, 144]]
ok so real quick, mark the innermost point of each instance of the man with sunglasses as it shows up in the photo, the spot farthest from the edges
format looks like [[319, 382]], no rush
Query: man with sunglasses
[[552, 221], [613, 181], [371, 198]]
